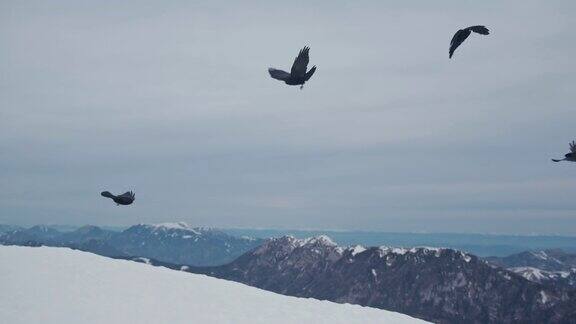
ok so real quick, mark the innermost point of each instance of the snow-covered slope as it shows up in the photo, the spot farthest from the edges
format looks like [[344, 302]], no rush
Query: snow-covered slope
[[59, 285]]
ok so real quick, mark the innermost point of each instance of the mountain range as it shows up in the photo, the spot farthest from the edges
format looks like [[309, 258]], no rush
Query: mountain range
[[176, 243], [435, 284], [441, 285]]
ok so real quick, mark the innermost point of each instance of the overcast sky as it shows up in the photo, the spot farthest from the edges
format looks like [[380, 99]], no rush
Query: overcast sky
[[172, 99]]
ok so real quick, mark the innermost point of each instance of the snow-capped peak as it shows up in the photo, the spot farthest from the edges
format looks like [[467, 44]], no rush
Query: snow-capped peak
[[539, 275], [357, 249], [316, 243], [177, 226], [321, 239], [295, 242], [395, 250]]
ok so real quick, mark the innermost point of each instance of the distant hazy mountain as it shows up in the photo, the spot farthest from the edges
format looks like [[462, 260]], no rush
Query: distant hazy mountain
[[176, 243], [83, 235], [8, 228], [181, 244], [440, 285], [35, 235]]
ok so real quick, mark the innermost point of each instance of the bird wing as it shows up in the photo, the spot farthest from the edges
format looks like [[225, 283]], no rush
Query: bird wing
[[310, 73], [301, 63], [458, 39], [479, 29], [127, 194], [279, 74], [573, 147]]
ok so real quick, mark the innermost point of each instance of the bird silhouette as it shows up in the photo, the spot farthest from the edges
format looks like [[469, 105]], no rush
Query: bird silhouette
[[126, 198], [462, 34], [570, 156], [298, 74]]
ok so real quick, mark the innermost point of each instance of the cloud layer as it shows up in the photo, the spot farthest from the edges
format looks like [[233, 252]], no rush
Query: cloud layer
[[173, 101]]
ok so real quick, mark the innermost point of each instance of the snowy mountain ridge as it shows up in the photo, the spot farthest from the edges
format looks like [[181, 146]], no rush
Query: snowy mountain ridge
[[561, 279], [552, 267], [537, 275], [437, 284], [550, 260], [325, 242]]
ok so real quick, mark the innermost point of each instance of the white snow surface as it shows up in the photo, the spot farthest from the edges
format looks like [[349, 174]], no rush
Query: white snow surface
[[59, 285]]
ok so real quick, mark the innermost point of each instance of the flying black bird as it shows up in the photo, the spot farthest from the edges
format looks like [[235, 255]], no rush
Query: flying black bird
[[126, 198], [298, 74], [462, 34], [570, 156]]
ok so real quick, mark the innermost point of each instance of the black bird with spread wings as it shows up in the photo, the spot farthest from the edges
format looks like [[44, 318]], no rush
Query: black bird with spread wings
[[298, 74], [462, 34], [570, 156], [126, 198]]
